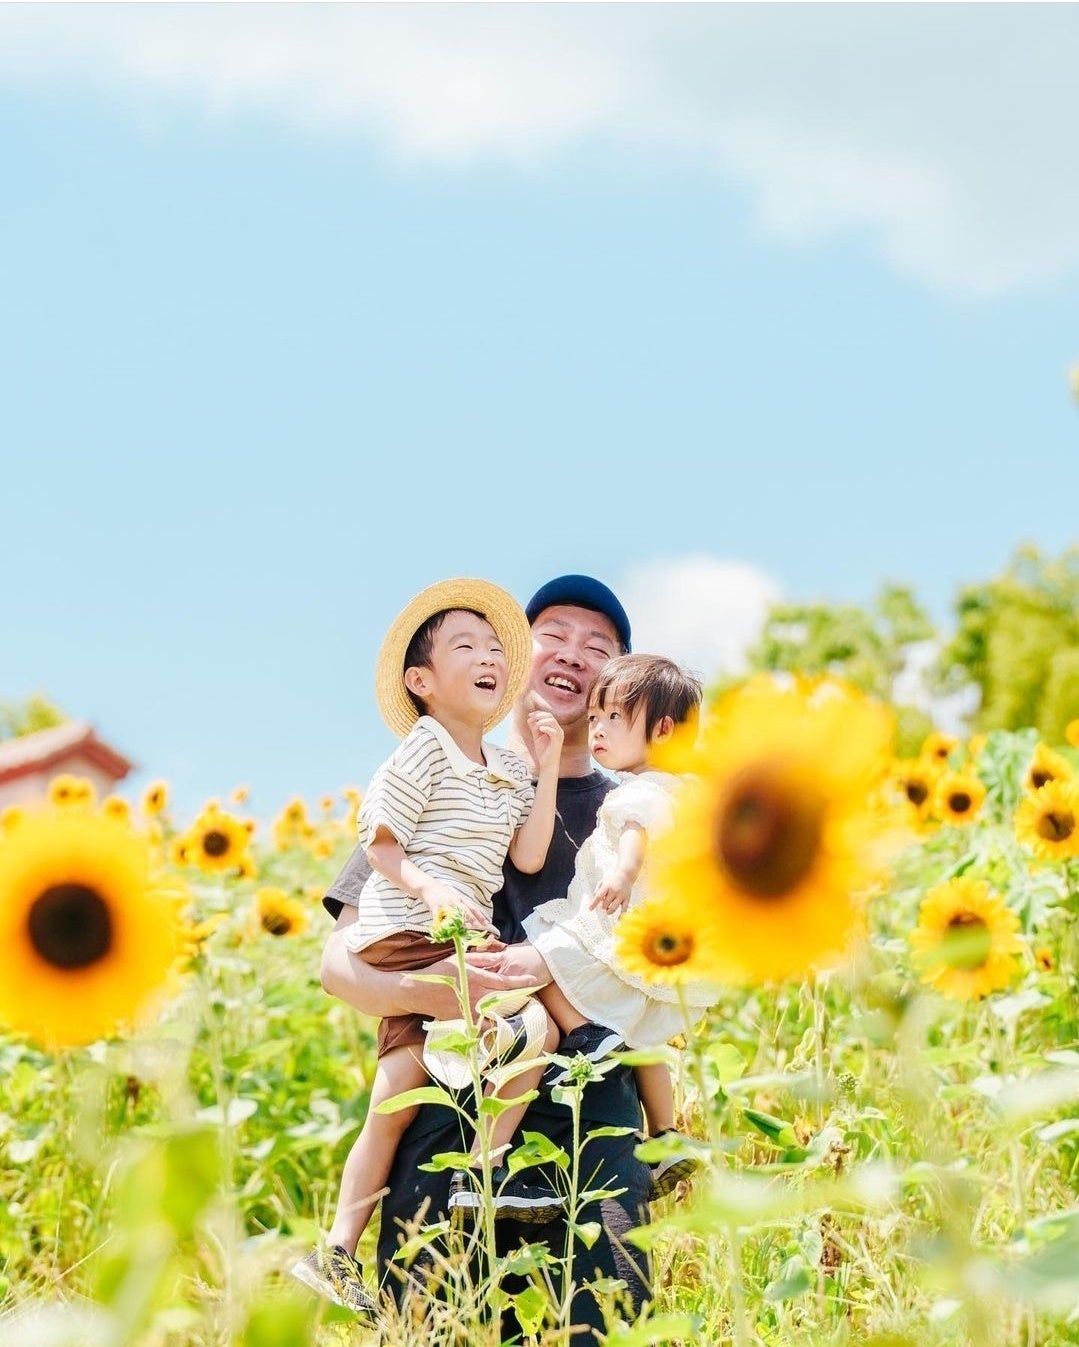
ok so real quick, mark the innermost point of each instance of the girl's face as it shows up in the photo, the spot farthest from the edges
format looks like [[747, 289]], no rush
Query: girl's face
[[615, 741]]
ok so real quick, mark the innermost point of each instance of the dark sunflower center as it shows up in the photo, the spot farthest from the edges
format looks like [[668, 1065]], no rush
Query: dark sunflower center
[[1040, 776], [1055, 825], [215, 843], [917, 791], [276, 923], [967, 941], [665, 948], [959, 802], [70, 926], [768, 832]]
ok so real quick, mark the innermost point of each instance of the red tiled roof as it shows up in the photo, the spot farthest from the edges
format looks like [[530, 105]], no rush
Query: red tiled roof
[[37, 752]]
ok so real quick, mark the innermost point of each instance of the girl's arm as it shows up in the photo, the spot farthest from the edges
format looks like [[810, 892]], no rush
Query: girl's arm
[[528, 849], [614, 889]]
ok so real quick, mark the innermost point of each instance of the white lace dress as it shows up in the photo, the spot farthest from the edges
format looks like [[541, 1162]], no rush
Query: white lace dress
[[578, 943]]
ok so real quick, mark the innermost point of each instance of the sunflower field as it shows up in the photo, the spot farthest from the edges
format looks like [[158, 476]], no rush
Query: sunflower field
[[883, 1101]]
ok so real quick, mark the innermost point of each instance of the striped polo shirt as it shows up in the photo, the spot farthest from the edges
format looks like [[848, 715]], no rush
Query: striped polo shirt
[[454, 818]]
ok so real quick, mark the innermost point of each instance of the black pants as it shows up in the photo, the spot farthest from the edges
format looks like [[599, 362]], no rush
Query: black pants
[[605, 1162]]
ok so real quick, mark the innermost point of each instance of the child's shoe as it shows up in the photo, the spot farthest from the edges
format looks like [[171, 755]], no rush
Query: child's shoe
[[589, 1040], [668, 1172], [515, 1195], [335, 1274]]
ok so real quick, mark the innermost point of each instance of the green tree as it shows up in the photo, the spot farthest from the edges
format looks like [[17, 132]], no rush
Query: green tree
[[868, 647], [24, 717], [1017, 640]]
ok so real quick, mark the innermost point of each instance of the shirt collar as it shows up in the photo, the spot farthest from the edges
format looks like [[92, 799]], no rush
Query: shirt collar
[[497, 765]]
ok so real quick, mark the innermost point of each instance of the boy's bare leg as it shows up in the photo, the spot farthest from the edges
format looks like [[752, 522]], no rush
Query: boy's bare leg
[[371, 1157], [657, 1095]]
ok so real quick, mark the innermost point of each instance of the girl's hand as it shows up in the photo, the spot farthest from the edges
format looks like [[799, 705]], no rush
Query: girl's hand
[[547, 738], [612, 894]]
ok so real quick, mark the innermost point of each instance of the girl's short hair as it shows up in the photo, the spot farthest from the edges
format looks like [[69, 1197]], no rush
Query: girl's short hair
[[653, 682]]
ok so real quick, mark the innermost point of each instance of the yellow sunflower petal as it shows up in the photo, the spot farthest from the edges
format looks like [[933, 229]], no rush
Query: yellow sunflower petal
[[776, 831], [85, 937], [1047, 821], [966, 943]]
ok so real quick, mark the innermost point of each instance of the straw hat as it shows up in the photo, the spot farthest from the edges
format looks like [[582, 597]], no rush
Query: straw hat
[[503, 1040], [500, 609]]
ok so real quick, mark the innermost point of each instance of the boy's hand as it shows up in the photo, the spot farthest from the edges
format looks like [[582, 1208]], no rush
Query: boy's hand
[[440, 899], [547, 738], [612, 893]]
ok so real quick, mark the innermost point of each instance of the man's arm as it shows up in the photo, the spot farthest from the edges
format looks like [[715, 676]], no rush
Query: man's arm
[[375, 991]]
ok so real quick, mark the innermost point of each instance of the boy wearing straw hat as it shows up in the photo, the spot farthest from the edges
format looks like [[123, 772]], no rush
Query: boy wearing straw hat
[[438, 820]]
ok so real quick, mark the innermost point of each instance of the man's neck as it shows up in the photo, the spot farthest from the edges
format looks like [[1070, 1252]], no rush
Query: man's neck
[[574, 760]]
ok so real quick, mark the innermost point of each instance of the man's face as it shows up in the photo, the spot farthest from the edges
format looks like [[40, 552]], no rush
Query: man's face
[[569, 647]]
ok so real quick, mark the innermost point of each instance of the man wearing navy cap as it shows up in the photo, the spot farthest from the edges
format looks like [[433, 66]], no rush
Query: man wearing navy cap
[[577, 625]]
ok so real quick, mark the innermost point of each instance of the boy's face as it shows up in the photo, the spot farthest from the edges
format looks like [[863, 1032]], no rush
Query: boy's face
[[569, 647], [615, 741], [467, 674]]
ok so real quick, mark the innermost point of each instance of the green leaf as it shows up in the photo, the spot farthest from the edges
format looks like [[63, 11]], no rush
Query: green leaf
[[662, 1328], [530, 1307], [279, 1323], [587, 1232], [447, 1160], [775, 1129], [425, 1094], [794, 1280]]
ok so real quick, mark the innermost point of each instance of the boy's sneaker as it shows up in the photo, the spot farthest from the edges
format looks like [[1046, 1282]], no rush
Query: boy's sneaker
[[668, 1172], [335, 1274], [515, 1196], [591, 1041]]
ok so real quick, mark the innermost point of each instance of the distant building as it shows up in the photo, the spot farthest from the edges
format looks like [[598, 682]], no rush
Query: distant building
[[29, 763]]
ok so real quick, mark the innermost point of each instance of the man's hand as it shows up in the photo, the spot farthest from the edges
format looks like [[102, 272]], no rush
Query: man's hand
[[441, 898], [517, 965]]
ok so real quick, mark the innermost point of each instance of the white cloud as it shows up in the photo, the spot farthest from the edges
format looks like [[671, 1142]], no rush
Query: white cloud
[[700, 611], [942, 135]]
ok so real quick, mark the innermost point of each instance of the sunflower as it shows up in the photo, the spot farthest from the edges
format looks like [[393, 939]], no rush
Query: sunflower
[[10, 817], [156, 799], [776, 830], [291, 827], [86, 936], [1046, 766], [958, 796], [1047, 821], [276, 913], [68, 791], [965, 942], [666, 942], [116, 807], [1071, 733], [914, 781], [938, 747], [216, 842]]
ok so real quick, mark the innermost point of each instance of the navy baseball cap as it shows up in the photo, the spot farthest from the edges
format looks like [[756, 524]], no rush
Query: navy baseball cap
[[581, 591]]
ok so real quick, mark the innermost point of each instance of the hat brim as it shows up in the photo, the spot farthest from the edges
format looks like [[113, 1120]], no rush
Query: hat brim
[[504, 1042], [499, 608]]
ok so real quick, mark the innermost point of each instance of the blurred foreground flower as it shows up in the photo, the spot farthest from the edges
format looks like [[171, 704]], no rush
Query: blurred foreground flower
[[86, 937], [156, 799], [965, 941], [778, 829], [1046, 765]]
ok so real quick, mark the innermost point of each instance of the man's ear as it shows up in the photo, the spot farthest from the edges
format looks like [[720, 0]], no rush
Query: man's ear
[[663, 730], [416, 680]]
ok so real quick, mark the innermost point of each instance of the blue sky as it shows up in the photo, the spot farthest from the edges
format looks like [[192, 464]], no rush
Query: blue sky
[[305, 307]]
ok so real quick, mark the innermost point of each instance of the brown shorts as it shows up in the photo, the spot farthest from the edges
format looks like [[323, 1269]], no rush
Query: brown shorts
[[399, 953]]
